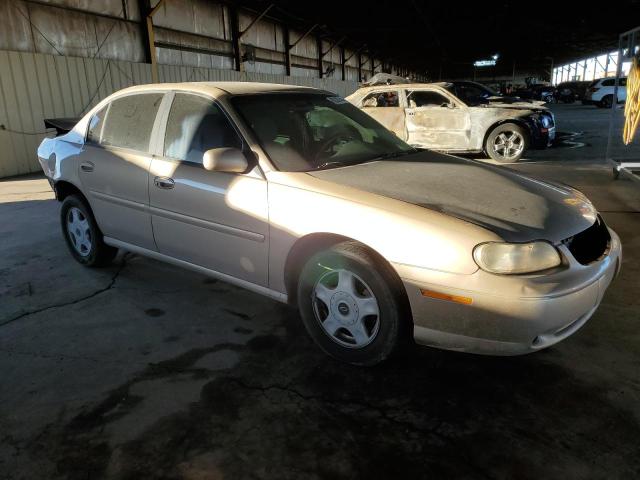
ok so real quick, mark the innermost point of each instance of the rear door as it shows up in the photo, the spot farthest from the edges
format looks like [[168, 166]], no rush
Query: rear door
[[437, 121], [386, 107], [212, 219], [114, 168]]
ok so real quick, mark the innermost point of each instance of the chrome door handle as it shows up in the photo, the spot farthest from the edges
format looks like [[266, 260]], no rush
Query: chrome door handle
[[86, 166], [164, 182]]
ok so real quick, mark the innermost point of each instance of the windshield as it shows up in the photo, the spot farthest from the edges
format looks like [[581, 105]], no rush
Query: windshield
[[302, 132], [471, 93]]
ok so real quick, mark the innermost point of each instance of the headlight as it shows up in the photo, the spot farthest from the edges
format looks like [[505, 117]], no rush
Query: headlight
[[545, 121], [510, 258]]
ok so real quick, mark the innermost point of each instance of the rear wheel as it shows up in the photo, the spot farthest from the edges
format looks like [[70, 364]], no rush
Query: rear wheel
[[606, 101], [82, 235], [506, 143], [351, 305]]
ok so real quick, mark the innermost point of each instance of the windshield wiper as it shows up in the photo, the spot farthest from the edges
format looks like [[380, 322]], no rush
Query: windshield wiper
[[324, 165], [387, 156]]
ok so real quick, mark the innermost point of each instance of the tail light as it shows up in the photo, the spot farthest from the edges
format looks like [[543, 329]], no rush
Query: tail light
[[594, 89]]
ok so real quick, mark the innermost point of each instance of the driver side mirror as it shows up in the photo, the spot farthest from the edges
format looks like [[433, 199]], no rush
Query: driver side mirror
[[448, 105], [229, 160]]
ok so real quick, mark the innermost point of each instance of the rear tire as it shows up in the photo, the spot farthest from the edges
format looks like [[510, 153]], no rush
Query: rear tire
[[606, 101], [352, 304], [506, 143], [82, 235]]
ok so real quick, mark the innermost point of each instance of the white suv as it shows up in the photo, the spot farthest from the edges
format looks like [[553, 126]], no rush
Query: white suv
[[600, 92]]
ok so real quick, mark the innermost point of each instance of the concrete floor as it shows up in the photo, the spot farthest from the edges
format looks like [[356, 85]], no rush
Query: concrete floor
[[142, 370]]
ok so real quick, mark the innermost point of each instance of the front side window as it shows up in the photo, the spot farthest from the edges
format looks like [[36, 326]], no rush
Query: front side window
[[130, 121], [196, 125], [426, 98], [304, 132]]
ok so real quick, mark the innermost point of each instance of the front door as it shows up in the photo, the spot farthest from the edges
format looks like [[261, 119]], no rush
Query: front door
[[212, 219], [437, 122], [114, 168]]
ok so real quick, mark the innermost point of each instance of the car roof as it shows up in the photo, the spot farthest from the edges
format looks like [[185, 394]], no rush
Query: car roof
[[220, 88], [402, 85]]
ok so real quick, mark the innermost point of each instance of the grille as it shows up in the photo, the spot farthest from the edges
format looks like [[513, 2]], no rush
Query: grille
[[591, 244]]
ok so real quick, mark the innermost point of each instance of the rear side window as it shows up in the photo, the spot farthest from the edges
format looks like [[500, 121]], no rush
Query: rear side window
[[95, 126], [130, 120], [608, 83], [382, 99], [195, 125]]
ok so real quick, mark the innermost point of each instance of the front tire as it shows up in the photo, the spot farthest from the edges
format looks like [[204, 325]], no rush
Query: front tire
[[82, 235], [506, 143], [351, 304]]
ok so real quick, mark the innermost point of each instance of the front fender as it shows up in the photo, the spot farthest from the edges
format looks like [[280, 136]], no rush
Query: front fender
[[402, 233]]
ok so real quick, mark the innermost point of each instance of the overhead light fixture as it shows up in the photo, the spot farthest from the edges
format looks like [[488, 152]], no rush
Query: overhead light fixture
[[488, 62], [484, 63]]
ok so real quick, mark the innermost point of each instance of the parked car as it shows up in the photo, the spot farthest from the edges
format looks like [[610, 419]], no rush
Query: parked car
[[544, 93], [570, 92], [457, 118], [294, 193], [600, 92]]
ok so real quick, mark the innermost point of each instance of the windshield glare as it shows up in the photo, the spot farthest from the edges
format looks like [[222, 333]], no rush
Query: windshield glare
[[303, 132]]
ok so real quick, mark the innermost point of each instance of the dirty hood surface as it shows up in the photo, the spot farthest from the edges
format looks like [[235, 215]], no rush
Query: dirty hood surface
[[517, 103], [516, 207]]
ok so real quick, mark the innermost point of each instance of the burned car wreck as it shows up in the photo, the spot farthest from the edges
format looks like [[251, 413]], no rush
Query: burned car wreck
[[452, 118]]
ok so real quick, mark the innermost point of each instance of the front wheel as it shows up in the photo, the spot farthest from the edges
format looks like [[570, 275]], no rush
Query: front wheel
[[351, 304], [82, 235], [506, 143]]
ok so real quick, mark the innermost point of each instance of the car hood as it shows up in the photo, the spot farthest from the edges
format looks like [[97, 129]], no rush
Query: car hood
[[515, 207], [533, 107]]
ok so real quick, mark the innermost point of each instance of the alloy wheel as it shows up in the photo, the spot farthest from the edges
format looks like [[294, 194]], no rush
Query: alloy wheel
[[346, 308], [508, 145]]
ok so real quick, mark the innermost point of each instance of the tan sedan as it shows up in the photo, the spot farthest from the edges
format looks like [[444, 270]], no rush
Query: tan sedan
[[294, 193]]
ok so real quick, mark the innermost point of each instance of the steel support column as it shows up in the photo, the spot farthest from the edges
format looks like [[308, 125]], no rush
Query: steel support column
[[234, 20], [319, 47], [287, 49]]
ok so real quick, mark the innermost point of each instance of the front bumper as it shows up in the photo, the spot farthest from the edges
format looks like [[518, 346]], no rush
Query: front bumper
[[509, 314], [542, 137]]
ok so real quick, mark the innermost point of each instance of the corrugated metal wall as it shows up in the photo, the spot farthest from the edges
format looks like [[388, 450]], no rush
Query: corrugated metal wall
[[35, 86], [187, 32]]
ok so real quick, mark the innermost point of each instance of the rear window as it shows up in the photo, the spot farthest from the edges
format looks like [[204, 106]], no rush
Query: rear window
[[129, 121], [94, 133]]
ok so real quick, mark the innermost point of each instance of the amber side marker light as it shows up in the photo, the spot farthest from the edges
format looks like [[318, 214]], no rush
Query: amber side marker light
[[444, 296]]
